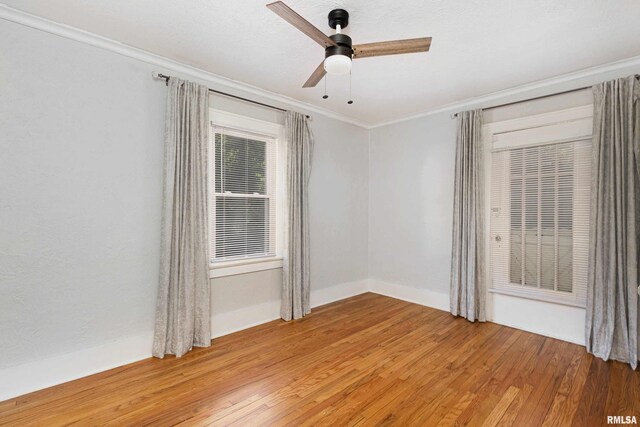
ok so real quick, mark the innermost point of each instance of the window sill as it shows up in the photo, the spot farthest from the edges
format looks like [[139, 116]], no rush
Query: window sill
[[245, 266], [533, 297]]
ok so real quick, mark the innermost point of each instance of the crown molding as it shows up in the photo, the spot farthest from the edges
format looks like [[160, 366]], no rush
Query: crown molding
[[48, 26], [575, 77]]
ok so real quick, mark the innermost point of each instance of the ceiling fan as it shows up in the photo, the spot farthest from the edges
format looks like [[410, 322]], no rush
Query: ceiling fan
[[338, 48]]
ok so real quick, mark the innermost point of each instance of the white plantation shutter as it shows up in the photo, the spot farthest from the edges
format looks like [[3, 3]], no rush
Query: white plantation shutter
[[540, 189], [242, 195]]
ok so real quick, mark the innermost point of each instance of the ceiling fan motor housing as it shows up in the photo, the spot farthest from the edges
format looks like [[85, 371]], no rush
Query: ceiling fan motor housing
[[338, 17], [343, 47]]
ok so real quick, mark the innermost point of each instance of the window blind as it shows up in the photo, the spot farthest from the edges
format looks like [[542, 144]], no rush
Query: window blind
[[539, 210], [242, 195]]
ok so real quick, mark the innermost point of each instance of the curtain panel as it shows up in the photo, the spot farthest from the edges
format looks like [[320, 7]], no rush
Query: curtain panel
[[612, 288], [296, 286], [182, 308], [467, 288]]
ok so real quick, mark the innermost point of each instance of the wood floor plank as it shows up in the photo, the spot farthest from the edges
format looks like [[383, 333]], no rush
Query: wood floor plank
[[558, 406], [512, 412], [502, 406], [366, 360], [570, 407]]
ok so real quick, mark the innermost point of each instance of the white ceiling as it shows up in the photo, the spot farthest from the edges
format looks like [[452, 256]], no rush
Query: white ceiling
[[479, 46]]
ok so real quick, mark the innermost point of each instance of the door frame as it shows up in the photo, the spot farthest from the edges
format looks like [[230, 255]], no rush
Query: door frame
[[511, 310]]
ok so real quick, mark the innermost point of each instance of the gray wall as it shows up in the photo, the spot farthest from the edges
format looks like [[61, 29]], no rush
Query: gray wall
[[338, 194], [80, 195], [411, 202]]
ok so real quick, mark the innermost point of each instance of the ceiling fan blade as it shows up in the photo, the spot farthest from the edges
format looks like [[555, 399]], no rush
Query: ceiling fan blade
[[289, 15], [317, 75], [394, 47]]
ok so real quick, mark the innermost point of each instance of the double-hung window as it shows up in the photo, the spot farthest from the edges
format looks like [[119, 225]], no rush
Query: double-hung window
[[244, 191]]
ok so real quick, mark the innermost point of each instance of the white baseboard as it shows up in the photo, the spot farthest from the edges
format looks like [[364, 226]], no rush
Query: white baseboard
[[32, 376], [26, 378], [247, 317], [233, 321], [424, 297], [557, 321], [336, 293]]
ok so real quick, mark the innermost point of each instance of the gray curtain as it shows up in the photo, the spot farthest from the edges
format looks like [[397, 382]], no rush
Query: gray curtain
[[612, 296], [467, 292], [296, 284], [182, 309]]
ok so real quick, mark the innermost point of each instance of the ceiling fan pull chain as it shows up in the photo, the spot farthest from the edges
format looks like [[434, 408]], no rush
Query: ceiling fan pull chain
[[350, 101], [325, 96]]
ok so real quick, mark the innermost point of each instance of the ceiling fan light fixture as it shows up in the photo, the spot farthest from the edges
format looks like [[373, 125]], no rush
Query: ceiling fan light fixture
[[337, 64], [338, 48], [338, 58]]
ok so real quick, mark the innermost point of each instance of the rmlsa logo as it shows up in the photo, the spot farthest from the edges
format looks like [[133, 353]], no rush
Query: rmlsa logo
[[621, 419]]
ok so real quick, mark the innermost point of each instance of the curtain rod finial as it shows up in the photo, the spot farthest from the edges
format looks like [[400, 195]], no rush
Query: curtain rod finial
[[159, 76]]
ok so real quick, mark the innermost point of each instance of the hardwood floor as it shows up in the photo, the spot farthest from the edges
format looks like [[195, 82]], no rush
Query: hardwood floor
[[367, 360]]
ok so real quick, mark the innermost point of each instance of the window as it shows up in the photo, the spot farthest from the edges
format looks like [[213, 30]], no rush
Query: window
[[539, 213], [243, 189]]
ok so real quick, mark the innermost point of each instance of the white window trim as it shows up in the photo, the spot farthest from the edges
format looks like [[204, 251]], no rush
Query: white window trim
[[543, 298], [233, 268], [276, 131], [520, 124]]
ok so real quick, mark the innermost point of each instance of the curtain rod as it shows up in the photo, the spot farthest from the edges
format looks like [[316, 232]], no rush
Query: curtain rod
[[454, 115], [273, 107]]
